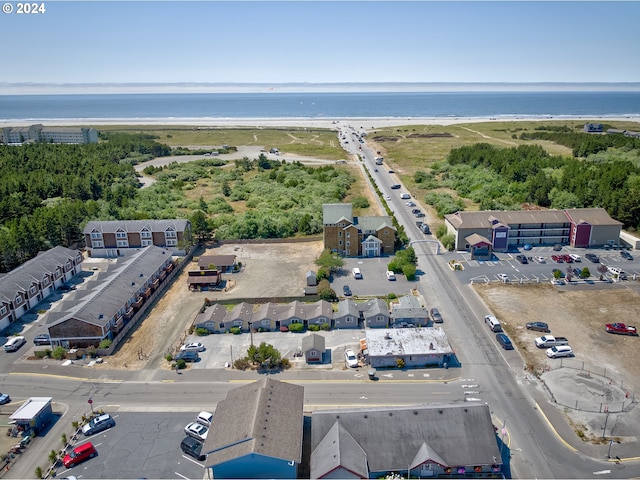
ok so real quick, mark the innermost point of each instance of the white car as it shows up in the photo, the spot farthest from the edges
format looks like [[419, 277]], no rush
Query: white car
[[205, 418], [540, 259], [410, 204], [197, 431], [503, 277], [350, 358], [387, 197], [197, 346]]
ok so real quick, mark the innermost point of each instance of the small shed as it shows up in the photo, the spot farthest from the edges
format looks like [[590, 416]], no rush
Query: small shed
[[313, 348], [311, 279], [34, 414], [203, 279]]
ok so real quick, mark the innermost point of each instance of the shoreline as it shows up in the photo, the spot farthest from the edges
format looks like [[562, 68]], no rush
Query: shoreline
[[366, 123]]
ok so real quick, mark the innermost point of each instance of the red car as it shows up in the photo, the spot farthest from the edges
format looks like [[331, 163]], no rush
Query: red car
[[567, 259], [557, 258], [621, 329]]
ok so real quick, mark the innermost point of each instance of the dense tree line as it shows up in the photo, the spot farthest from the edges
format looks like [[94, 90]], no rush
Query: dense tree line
[[499, 178], [583, 144], [47, 191]]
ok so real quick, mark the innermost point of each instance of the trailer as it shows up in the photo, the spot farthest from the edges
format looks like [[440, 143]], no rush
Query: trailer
[[33, 415]]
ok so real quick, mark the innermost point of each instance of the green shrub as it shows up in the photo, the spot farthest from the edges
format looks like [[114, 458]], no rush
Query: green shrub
[[104, 344], [202, 332], [181, 364], [235, 330], [59, 353], [400, 362], [168, 357], [314, 327], [296, 327], [38, 472], [448, 241], [285, 364], [42, 353], [326, 327], [91, 351], [392, 296], [409, 271], [242, 363]]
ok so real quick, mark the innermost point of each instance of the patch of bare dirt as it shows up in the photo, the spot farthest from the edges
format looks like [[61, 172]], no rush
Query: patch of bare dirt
[[579, 315]]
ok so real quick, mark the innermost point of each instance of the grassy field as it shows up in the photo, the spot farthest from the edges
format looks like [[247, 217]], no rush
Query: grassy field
[[318, 142]]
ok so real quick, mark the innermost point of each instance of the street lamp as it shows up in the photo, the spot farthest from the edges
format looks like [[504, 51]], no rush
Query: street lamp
[[611, 442], [251, 333]]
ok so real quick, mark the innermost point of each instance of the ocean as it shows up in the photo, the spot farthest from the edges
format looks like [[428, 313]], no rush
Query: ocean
[[211, 106]]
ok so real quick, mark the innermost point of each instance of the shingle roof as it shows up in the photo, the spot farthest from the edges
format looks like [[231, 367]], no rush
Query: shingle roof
[[264, 417], [372, 224], [217, 260], [347, 307], [394, 438], [338, 449], [593, 216], [313, 341], [332, 213], [111, 226], [373, 307]]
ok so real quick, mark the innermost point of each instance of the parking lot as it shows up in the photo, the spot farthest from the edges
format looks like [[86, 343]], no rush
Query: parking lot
[[539, 271], [140, 446]]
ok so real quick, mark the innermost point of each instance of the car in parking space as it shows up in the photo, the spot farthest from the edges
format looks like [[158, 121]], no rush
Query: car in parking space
[[410, 204], [187, 356], [420, 215], [193, 448], [79, 454], [540, 259], [205, 418], [66, 288], [4, 398], [197, 431], [42, 339], [425, 229], [557, 258], [557, 247], [196, 346], [98, 424], [522, 259], [503, 277], [625, 254], [504, 341], [390, 275], [560, 274], [567, 258], [576, 258], [350, 359], [577, 272], [346, 290], [538, 327], [435, 314], [415, 210], [592, 257]]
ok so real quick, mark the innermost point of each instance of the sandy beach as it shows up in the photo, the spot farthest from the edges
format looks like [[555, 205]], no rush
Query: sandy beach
[[367, 123]]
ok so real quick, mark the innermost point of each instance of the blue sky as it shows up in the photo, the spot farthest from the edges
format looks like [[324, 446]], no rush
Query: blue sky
[[317, 42]]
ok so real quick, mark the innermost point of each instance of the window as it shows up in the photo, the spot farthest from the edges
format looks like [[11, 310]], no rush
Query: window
[[172, 243], [122, 243], [45, 281], [3, 310], [32, 290], [348, 244], [146, 243], [349, 319], [237, 323], [18, 300], [170, 234], [339, 234], [97, 244], [266, 322], [145, 234], [96, 236], [121, 234]]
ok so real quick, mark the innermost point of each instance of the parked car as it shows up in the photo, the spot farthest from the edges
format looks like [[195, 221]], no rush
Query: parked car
[[187, 356], [410, 204], [350, 359], [540, 259], [346, 290], [567, 258], [621, 329], [557, 247], [14, 343], [391, 171], [560, 275], [390, 275], [395, 186], [425, 229], [625, 254], [415, 210], [560, 351], [4, 398], [592, 257], [577, 272], [79, 454], [576, 258], [387, 198], [205, 418], [522, 259], [193, 448], [538, 327], [503, 277], [98, 424], [504, 341], [42, 339], [197, 346], [557, 258], [435, 314], [66, 288], [420, 215], [197, 431]]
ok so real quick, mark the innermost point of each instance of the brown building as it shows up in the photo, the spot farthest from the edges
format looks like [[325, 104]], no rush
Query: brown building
[[356, 236], [109, 238]]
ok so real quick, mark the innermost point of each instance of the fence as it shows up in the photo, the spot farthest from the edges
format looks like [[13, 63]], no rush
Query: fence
[[610, 382]]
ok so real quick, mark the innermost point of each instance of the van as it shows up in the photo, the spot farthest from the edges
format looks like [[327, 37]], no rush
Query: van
[[192, 447], [405, 196], [391, 275], [356, 273], [14, 343], [79, 454], [559, 351], [493, 323]]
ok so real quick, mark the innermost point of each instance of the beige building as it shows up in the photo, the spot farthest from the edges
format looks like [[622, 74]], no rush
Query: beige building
[[42, 134], [356, 236]]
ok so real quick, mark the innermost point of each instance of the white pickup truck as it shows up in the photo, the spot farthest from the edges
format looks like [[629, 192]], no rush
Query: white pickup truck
[[548, 341]]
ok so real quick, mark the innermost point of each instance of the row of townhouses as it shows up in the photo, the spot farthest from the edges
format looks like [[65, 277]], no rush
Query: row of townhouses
[[40, 134]]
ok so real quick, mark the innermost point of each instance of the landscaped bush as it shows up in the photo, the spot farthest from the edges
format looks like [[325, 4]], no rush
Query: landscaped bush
[[235, 330], [242, 363], [59, 353], [202, 332], [326, 327], [314, 327], [104, 344], [285, 364], [168, 357], [296, 327], [42, 353], [181, 364], [409, 272], [400, 362], [448, 241]]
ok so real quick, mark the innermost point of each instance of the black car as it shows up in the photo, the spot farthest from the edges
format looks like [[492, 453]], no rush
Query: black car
[[420, 215], [187, 356], [435, 314], [415, 210], [592, 257], [504, 341], [42, 339], [522, 259], [192, 447], [538, 327], [395, 186], [66, 288], [625, 254], [346, 290]]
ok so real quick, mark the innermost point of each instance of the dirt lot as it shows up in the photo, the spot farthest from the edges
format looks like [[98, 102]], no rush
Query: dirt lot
[[579, 315], [276, 269]]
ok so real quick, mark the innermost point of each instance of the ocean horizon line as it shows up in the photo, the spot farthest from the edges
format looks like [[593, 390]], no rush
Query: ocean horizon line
[[141, 88]]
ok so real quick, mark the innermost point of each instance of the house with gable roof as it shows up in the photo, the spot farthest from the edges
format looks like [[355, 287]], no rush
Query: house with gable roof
[[212, 318], [375, 313], [257, 432], [426, 441], [347, 316], [110, 238], [370, 236]]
